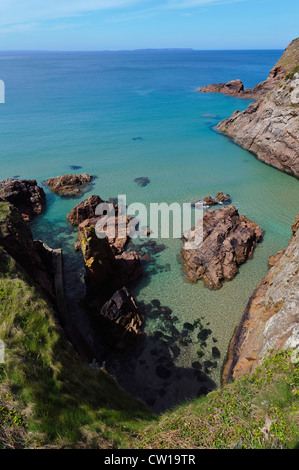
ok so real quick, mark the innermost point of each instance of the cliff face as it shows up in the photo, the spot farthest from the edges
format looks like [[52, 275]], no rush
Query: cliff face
[[271, 318], [269, 127]]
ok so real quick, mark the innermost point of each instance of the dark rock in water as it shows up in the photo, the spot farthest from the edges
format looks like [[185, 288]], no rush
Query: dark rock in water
[[208, 365], [121, 320], [229, 240], [188, 326], [175, 350], [25, 195], [159, 248], [196, 365], [204, 334], [156, 303], [129, 267], [16, 176], [69, 185], [75, 167], [142, 181], [162, 372], [215, 353]]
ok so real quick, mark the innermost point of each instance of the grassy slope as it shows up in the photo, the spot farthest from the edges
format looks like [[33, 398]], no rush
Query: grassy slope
[[257, 412], [48, 396]]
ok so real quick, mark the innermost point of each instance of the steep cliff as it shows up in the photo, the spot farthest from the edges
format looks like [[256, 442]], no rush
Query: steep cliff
[[269, 127], [271, 318]]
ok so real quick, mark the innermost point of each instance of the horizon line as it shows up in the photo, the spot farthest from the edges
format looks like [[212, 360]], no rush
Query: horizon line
[[139, 49]]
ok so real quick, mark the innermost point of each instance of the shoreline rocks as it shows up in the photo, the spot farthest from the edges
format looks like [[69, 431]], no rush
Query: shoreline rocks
[[229, 240], [69, 185], [271, 318], [208, 201], [25, 195], [269, 127]]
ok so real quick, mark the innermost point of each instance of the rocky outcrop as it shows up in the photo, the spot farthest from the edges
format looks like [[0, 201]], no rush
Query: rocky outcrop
[[121, 320], [271, 318], [229, 240], [69, 185], [36, 258], [269, 127], [208, 201], [84, 210], [25, 195], [106, 273]]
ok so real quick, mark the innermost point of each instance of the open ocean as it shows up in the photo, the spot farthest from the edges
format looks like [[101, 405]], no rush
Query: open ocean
[[122, 115]]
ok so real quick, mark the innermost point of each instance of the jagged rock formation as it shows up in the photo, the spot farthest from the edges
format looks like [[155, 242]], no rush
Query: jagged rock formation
[[269, 128], [121, 320], [69, 185], [84, 210], [228, 241], [25, 195], [106, 275], [36, 258], [208, 201], [271, 318]]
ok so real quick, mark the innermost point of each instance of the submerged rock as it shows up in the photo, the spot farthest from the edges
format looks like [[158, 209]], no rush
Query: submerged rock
[[228, 241], [25, 195], [69, 185], [142, 181]]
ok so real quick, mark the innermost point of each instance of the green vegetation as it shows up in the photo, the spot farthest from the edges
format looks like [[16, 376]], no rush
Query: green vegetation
[[50, 398], [58, 400], [257, 412], [290, 75]]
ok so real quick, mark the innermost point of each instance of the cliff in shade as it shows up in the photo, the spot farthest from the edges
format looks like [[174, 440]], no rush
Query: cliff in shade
[[271, 318], [269, 127]]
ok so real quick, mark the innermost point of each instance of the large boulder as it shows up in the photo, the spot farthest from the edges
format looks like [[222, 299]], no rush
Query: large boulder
[[84, 210], [69, 185], [228, 241], [25, 195], [120, 320]]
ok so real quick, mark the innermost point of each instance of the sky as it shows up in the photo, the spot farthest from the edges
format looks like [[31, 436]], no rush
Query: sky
[[147, 24]]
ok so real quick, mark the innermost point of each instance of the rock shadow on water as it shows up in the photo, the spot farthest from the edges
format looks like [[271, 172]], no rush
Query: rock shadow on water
[[148, 371]]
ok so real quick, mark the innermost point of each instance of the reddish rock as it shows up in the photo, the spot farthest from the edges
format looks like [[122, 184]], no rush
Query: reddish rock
[[271, 318], [84, 210], [207, 201], [25, 195], [36, 258], [69, 185], [228, 241], [269, 127]]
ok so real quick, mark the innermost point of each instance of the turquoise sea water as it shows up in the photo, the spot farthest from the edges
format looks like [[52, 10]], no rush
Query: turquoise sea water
[[122, 115]]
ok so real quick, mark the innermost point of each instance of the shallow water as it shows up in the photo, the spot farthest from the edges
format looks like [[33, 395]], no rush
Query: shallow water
[[125, 115]]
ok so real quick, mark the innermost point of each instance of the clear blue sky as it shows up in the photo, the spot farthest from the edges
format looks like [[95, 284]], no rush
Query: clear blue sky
[[135, 24]]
